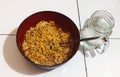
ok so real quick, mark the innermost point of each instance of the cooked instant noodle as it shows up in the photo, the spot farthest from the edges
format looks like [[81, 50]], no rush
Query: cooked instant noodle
[[47, 44]]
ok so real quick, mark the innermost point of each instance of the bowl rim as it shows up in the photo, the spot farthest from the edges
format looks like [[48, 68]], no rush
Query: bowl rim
[[43, 66]]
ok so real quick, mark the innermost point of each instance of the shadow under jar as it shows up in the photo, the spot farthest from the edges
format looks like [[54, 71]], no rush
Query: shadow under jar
[[63, 21]]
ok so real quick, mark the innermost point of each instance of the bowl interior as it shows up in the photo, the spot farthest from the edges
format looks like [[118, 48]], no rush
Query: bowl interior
[[64, 22]]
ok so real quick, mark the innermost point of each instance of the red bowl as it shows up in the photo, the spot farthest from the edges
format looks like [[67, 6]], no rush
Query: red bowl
[[66, 23]]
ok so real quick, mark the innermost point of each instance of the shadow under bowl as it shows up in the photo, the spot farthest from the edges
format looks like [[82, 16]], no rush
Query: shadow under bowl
[[64, 22]]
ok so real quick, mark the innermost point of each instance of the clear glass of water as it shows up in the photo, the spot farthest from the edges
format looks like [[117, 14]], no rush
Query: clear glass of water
[[100, 24]]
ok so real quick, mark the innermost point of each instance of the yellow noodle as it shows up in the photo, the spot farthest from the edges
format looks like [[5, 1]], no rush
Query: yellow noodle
[[42, 44]]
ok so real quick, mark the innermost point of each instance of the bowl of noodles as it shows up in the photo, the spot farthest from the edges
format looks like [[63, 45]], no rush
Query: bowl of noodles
[[46, 39]]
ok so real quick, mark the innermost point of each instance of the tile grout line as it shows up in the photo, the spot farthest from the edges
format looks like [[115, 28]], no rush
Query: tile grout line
[[85, 63], [8, 34], [115, 38], [78, 13]]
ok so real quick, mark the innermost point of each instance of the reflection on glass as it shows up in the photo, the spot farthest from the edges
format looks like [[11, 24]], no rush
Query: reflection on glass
[[100, 24]]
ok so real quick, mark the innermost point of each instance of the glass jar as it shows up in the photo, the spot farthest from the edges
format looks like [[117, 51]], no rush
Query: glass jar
[[100, 24]]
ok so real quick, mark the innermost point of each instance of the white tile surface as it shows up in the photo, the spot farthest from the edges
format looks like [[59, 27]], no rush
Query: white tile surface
[[13, 12], [107, 64], [87, 7], [13, 64]]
